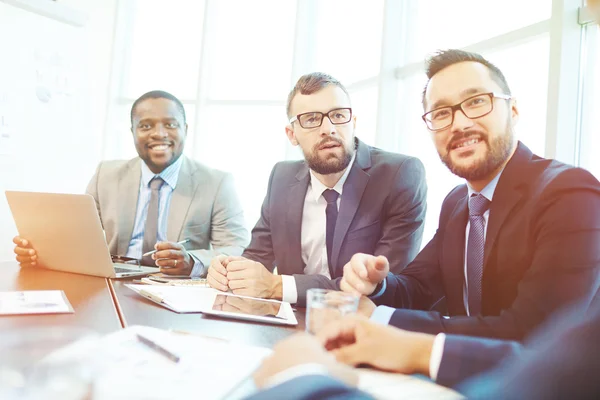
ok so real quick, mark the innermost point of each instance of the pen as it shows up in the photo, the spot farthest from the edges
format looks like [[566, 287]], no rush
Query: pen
[[154, 251], [156, 347]]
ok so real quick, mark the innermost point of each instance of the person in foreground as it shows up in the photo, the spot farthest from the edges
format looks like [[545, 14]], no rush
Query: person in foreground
[[560, 360], [518, 241], [162, 197], [344, 197]]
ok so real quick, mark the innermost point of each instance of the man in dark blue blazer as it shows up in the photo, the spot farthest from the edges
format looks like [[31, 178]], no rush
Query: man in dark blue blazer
[[560, 360], [378, 206], [516, 243]]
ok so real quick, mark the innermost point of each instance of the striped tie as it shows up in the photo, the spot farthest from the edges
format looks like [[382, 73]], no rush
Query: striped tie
[[478, 205], [151, 230]]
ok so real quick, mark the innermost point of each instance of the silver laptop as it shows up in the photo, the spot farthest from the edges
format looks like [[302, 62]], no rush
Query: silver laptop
[[66, 233]]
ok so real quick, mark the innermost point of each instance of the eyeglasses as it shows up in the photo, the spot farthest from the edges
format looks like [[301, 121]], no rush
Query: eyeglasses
[[473, 107], [314, 119]]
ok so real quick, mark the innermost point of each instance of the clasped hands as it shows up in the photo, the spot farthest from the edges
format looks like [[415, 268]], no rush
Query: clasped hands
[[243, 277], [351, 341]]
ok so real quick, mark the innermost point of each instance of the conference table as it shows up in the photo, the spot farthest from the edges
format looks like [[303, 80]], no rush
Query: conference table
[[107, 305]]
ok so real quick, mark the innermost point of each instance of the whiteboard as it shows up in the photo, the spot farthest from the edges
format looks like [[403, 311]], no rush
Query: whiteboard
[[44, 145]]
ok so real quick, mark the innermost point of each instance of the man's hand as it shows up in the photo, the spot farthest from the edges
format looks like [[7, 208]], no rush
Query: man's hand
[[363, 272], [25, 254], [355, 340], [251, 278], [173, 259], [297, 350], [217, 271]]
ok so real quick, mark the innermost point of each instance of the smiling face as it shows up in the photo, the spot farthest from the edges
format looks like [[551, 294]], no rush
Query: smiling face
[[159, 132], [328, 148], [474, 149]]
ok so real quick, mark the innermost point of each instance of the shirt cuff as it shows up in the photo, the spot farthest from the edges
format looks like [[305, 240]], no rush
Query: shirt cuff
[[290, 291], [437, 351], [295, 372], [382, 315], [198, 268], [380, 291]]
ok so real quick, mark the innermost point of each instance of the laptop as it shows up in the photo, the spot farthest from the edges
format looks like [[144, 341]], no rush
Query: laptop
[[66, 233]]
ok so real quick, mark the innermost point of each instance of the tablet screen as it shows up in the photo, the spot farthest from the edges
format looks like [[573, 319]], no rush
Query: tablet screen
[[247, 306]]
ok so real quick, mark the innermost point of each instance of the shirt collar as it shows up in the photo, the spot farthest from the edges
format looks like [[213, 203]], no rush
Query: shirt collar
[[170, 174], [318, 188], [489, 189]]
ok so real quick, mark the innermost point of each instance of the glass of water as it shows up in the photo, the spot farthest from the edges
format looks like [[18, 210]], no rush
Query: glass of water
[[324, 306]]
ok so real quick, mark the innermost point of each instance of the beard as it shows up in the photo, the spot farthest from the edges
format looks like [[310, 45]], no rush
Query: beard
[[498, 151], [331, 163]]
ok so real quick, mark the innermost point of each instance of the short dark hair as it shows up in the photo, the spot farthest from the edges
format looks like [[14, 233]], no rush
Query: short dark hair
[[311, 83], [158, 94], [445, 58]]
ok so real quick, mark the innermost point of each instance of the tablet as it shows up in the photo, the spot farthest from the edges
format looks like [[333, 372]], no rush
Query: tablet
[[251, 308]]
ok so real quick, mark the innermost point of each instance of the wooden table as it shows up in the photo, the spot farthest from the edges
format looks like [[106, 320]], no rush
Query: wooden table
[[136, 310], [90, 297]]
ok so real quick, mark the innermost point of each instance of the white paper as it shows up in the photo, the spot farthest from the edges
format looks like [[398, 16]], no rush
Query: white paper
[[34, 302], [208, 368]]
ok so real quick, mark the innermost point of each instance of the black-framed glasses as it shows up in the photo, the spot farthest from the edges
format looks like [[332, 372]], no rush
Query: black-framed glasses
[[474, 107], [314, 119]]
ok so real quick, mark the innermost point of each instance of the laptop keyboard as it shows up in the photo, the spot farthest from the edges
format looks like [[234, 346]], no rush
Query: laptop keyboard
[[120, 270]]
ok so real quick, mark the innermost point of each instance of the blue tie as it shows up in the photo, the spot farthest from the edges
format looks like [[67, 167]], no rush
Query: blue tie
[[151, 229], [478, 205], [331, 213]]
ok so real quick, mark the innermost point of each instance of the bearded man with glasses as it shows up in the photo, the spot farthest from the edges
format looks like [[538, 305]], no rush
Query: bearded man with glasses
[[344, 198], [515, 243]]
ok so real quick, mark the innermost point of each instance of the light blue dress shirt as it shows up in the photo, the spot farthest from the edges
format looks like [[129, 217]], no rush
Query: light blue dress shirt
[[170, 175]]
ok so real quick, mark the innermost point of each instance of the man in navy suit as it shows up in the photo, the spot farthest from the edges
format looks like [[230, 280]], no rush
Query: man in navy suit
[[515, 243], [344, 197], [561, 360]]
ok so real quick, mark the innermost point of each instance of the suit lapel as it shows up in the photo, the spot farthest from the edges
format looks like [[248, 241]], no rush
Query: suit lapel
[[354, 187], [506, 197], [181, 199], [129, 189], [453, 255], [293, 218]]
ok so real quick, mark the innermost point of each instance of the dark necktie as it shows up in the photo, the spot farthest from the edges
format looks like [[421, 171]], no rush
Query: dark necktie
[[151, 230], [331, 213], [478, 205]]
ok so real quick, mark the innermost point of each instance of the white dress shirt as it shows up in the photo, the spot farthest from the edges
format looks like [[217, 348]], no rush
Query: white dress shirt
[[383, 314], [313, 241]]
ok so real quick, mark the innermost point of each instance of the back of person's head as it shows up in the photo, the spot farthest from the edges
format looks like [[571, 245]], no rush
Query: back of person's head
[[158, 94], [312, 83], [445, 58]]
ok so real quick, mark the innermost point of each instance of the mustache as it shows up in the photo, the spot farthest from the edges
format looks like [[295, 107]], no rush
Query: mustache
[[327, 141], [465, 135]]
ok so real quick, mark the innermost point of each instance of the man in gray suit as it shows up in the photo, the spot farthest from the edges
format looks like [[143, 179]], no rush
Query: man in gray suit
[[344, 197], [161, 197]]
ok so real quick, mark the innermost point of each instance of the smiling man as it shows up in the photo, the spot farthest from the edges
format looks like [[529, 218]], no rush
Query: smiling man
[[344, 197], [162, 197], [515, 243]]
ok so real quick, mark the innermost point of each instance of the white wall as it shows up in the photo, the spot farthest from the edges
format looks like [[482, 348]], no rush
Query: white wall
[[56, 149]]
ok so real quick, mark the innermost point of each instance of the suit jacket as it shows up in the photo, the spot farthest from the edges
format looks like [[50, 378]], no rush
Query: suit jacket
[[382, 210], [204, 207], [541, 253], [465, 357]]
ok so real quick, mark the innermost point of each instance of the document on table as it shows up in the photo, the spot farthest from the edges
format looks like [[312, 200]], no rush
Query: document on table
[[169, 365], [34, 302]]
